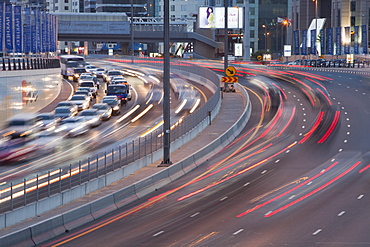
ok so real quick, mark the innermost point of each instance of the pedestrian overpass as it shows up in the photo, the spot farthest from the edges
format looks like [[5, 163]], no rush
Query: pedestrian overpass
[[115, 27]]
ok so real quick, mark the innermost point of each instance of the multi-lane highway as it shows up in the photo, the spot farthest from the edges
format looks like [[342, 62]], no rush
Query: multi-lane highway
[[120, 129], [296, 176]]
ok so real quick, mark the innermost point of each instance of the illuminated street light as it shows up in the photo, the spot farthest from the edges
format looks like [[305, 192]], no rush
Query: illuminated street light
[[264, 26]]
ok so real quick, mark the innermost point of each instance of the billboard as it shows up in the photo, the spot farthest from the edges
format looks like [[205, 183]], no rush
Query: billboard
[[213, 17], [94, 27]]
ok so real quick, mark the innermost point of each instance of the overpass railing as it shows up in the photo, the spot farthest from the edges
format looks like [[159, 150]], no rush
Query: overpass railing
[[20, 193], [28, 63]]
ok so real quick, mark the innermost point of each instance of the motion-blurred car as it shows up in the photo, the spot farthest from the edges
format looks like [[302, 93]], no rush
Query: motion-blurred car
[[99, 72], [92, 117], [48, 120], [64, 112], [21, 125], [81, 101], [107, 77], [69, 104], [114, 104], [73, 126], [90, 68], [92, 85], [47, 140], [15, 149], [104, 109], [84, 92]]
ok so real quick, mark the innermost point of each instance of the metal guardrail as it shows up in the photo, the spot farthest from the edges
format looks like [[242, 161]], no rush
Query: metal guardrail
[[18, 194], [28, 63]]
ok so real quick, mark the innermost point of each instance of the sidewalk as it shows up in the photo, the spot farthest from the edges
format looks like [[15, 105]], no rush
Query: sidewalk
[[232, 106]]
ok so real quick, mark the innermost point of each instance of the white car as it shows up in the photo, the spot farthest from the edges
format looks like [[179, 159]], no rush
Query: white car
[[99, 72], [82, 101], [104, 109], [47, 140], [73, 126], [92, 117], [92, 85], [48, 120]]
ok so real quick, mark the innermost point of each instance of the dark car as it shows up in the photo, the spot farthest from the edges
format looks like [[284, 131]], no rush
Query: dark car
[[114, 104]]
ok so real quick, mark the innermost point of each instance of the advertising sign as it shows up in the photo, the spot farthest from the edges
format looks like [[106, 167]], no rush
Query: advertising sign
[[94, 27], [330, 41], [347, 41], [322, 41], [287, 50], [213, 17], [9, 27], [27, 30], [338, 50], [313, 42], [1, 26], [304, 42], [18, 29], [296, 42], [364, 39], [356, 44], [238, 50]]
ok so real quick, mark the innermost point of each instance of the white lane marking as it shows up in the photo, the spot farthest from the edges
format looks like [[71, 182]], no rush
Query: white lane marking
[[345, 141], [223, 198], [340, 150], [317, 232], [193, 215], [332, 160], [303, 127], [341, 213], [360, 197], [277, 161], [246, 184], [288, 151], [238, 231], [349, 126], [309, 183], [158, 233], [347, 119], [348, 133], [264, 171], [345, 113], [269, 212], [291, 197]]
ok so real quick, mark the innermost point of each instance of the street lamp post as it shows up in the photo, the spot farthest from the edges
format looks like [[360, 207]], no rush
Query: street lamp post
[[264, 26], [316, 32]]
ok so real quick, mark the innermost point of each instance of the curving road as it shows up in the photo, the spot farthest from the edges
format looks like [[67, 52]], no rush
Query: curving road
[[296, 176]]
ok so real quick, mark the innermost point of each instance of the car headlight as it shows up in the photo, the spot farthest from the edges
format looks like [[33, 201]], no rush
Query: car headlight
[[116, 107]]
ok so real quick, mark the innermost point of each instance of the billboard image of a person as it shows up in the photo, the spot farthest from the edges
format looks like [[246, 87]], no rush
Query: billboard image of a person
[[210, 18]]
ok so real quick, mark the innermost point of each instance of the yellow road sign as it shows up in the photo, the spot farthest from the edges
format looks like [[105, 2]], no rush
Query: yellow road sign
[[230, 71], [230, 79]]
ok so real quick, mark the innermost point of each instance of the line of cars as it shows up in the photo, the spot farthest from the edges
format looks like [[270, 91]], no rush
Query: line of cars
[[27, 134]]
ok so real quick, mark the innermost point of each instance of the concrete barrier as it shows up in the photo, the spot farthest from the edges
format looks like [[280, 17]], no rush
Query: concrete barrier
[[17, 239], [160, 179], [125, 196], [175, 171], [77, 217], [144, 187], [47, 229], [102, 206]]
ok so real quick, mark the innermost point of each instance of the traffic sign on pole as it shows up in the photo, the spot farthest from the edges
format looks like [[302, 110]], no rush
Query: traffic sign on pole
[[230, 71], [229, 79]]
